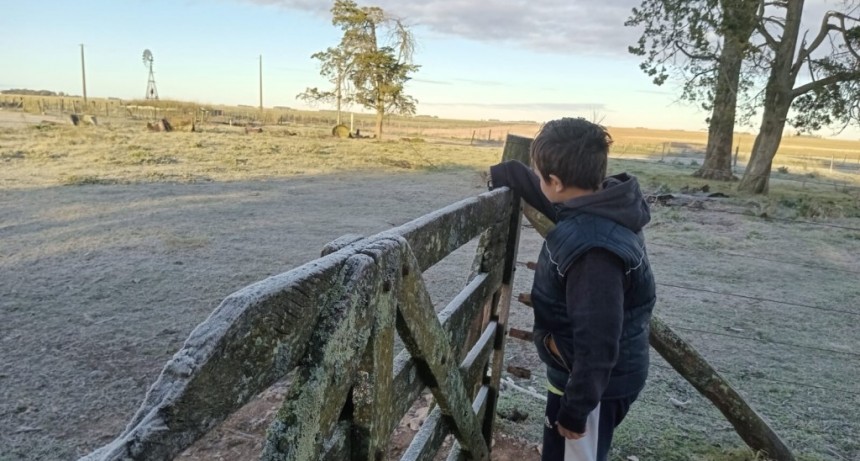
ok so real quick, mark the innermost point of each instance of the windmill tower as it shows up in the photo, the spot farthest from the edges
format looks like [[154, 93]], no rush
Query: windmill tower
[[151, 91]]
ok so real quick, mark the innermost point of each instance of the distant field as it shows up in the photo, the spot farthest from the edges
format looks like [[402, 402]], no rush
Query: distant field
[[643, 141]]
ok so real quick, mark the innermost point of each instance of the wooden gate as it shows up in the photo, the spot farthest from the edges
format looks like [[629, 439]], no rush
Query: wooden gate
[[334, 320]]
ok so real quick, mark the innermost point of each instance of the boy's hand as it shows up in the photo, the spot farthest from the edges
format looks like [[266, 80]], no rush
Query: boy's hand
[[570, 435]]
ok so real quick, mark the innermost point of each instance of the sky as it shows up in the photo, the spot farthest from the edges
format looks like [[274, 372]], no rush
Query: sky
[[480, 59]]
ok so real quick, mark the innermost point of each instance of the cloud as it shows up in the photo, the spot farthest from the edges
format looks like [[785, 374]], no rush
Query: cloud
[[555, 26]]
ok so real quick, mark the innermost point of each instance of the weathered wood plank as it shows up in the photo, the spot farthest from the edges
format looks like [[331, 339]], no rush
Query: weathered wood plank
[[525, 298], [521, 334], [752, 428], [454, 318], [421, 332], [514, 147], [489, 254], [316, 399], [371, 396], [436, 235], [430, 446], [337, 446], [480, 406], [474, 366], [340, 243], [251, 340], [429, 438]]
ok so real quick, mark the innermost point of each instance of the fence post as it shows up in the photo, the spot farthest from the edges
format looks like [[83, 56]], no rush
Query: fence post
[[516, 148]]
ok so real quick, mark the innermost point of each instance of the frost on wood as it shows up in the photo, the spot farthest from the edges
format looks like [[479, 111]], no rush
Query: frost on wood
[[315, 400], [250, 341], [425, 339], [263, 331]]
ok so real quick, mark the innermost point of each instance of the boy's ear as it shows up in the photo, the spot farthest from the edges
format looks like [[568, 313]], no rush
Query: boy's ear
[[555, 183]]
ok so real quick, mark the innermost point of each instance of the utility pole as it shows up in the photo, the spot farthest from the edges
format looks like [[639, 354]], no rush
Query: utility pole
[[84, 75], [261, 85]]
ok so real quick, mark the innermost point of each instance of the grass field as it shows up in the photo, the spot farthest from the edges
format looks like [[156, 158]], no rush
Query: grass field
[[118, 241]]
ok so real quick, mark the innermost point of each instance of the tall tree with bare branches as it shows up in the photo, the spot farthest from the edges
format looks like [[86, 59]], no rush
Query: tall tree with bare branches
[[829, 65], [704, 42]]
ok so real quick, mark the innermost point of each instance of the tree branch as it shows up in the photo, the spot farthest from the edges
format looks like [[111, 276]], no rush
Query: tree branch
[[773, 19], [762, 29], [805, 52], [701, 57], [845, 37], [835, 78]]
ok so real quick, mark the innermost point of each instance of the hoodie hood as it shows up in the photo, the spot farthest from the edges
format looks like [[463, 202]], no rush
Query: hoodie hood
[[620, 199]]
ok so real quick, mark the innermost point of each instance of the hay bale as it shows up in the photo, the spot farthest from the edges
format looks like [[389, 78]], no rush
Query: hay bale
[[161, 125], [253, 129], [340, 131]]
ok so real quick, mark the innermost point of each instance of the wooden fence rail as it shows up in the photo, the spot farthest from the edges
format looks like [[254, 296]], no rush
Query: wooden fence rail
[[334, 321]]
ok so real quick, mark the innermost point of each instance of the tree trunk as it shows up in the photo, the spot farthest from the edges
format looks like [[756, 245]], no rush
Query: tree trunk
[[777, 101], [339, 101], [380, 114], [757, 175], [738, 24], [721, 130]]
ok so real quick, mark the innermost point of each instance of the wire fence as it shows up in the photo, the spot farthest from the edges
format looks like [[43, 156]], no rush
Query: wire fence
[[841, 360], [837, 185], [733, 254], [833, 389]]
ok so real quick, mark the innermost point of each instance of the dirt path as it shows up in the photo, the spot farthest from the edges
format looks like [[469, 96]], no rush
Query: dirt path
[[102, 284]]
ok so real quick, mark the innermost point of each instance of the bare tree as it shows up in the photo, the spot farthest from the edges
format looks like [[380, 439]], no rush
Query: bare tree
[[704, 43], [833, 70]]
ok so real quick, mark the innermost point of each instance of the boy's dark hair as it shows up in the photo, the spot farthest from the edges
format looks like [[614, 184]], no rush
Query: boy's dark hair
[[573, 149]]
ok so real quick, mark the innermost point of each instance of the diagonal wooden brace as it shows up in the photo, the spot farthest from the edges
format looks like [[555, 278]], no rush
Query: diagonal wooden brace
[[427, 342]]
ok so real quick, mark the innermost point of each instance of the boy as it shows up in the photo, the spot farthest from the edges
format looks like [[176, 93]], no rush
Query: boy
[[593, 289]]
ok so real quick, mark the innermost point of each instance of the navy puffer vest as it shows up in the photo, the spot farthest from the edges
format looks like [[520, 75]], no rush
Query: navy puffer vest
[[571, 238]]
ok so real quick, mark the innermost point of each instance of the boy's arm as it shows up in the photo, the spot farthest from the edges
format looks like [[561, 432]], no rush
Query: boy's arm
[[522, 180], [595, 304]]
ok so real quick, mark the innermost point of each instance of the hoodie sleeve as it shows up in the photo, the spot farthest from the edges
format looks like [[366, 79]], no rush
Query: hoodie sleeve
[[522, 180], [595, 304]]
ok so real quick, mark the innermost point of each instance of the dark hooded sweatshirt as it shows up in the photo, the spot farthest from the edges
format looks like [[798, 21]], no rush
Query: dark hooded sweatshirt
[[593, 291]]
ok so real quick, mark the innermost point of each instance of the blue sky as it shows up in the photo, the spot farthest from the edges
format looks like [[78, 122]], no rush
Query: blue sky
[[487, 59]]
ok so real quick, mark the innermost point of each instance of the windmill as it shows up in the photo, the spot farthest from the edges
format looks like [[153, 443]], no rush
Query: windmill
[[151, 91]]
